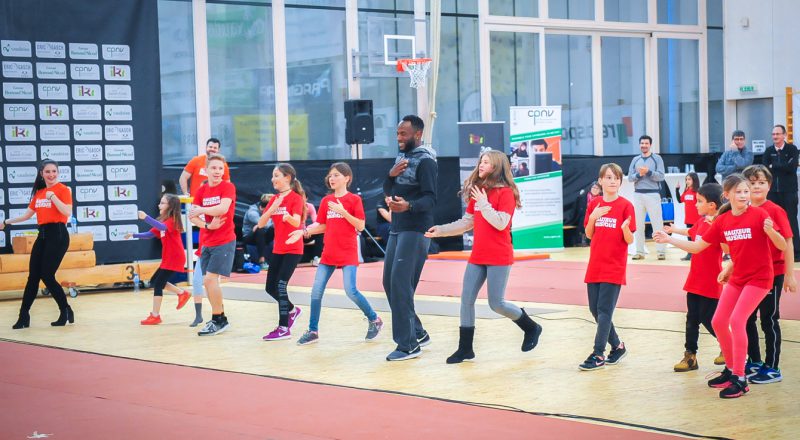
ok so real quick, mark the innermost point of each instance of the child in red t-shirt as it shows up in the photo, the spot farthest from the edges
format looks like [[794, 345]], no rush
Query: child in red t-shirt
[[287, 210], [702, 287], [747, 230], [491, 197], [608, 224], [340, 218], [168, 229], [689, 200], [783, 267]]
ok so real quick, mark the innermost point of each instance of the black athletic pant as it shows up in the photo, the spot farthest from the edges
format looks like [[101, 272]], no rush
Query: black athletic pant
[[160, 279], [788, 201], [769, 308], [261, 239], [406, 253], [48, 251], [699, 310], [281, 268]]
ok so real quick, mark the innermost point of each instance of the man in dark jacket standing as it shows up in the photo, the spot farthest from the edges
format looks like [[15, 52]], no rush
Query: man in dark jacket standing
[[781, 159], [410, 190]]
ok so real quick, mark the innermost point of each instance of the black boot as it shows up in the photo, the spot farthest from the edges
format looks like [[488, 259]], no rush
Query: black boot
[[65, 315], [464, 352], [24, 321], [532, 331]]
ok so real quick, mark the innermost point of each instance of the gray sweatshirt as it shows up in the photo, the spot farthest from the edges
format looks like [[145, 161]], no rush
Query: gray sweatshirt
[[650, 182]]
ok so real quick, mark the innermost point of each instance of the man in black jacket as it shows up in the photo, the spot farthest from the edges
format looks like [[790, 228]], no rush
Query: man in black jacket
[[781, 159], [410, 190]]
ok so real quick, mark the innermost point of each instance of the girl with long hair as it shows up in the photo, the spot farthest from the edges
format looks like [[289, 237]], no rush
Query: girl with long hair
[[689, 200]]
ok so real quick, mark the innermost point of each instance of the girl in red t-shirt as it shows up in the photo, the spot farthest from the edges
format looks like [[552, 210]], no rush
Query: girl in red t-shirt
[[491, 197], [168, 229], [689, 200], [340, 218], [51, 202], [702, 287], [747, 230], [287, 210]]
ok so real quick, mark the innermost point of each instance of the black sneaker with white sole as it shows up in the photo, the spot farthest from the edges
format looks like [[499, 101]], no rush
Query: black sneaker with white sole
[[593, 362], [424, 340], [213, 328], [616, 354], [400, 355]]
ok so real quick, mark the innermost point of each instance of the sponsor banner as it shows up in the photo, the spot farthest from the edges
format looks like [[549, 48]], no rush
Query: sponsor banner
[[50, 49], [83, 51], [21, 232], [58, 153], [17, 90], [87, 132], [53, 91], [118, 232], [88, 173], [118, 112], [91, 213], [54, 132], [119, 132], [88, 153], [122, 212], [19, 196], [87, 112], [90, 193], [54, 112], [117, 72], [19, 212], [118, 193], [119, 152], [20, 153], [51, 70], [84, 71], [20, 133], [19, 112], [118, 173], [17, 69], [2, 202], [15, 48], [64, 173], [117, 92], [98, 232], [86, 92], [2, 233], [116, 52]]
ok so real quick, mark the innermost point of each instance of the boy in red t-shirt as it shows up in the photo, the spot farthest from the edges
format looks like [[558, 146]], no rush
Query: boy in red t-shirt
[[608, 224]]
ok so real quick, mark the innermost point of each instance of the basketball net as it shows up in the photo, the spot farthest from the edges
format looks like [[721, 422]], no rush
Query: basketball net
[[417, 69]]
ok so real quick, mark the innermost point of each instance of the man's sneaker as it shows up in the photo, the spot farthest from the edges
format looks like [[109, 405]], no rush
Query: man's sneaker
[[767, 375], [375, 328], [722, 380], [293, 315], [400, 355], [593, 362], [662, 257], [737, 387], [616, 354], [752, 368], [308, 337], [688, 363], [213, 328], [719, 360], [151, 320], [425, 340], [638, 257], [278, 334], [183, 298]]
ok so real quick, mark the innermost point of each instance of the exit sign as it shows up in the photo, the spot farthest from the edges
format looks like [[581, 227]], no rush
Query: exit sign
[[747, 88]]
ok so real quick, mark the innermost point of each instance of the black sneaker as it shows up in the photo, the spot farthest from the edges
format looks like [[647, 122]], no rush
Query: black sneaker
[[400, 355], [213, 328], [425, 340], [737, 387], [721, 381], [616, 354], [593, 362]]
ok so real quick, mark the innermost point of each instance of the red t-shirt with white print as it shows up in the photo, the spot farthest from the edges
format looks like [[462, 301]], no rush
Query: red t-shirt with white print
[[492, 247], [173, 256], [781, 224], [292, 204], [689, 200], [208, 196], [705, 266], [341, 238], [608, 256]]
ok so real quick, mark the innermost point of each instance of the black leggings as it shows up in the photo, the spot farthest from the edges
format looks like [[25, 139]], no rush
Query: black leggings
[[48, 251], [281, 268], [159, 280], [699, 310]]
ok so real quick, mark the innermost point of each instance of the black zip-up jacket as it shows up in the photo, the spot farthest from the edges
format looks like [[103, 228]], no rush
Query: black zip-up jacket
[[783, 166], [417, 185]]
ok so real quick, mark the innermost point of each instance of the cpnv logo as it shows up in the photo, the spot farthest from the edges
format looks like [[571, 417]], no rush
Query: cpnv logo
[[91, 213], [19, 112], [52, 91], [117, 52], [85, 71], [117, 72], [92, 193], [116, 173]]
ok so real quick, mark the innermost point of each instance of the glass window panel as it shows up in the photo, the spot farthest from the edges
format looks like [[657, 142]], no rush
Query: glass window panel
[[678, 96], [716, 95], [515, 72], [333, 3], [714, 13], [623, 94], [629, 11], [317, 80], [572, 9], [569, 84], [389, 5], [241, 80], [677, 11], [178, 109], [514, 8]]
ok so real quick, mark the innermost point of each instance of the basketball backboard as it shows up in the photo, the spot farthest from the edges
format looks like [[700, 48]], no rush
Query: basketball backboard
[[384, 40]]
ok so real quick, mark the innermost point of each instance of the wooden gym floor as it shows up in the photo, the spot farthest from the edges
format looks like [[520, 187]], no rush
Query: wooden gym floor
[[109, 377]]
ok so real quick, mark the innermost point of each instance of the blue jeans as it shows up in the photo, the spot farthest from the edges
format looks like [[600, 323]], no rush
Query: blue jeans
[[197, 279], [324, 273]]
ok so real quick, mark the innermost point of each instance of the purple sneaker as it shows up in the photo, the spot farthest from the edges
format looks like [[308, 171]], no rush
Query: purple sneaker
[[278, 334], [293, 315]]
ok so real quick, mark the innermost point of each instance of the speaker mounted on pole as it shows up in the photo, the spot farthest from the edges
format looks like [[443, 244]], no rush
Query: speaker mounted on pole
[[359, 122]]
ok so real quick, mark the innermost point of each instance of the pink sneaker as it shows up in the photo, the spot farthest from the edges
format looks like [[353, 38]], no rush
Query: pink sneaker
[[278, 334], [293, 315]]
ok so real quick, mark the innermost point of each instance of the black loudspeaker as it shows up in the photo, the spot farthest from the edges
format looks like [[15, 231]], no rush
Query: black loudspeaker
[[359, 124]]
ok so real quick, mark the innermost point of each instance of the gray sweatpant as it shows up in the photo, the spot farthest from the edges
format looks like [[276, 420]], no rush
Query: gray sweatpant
[[602, 302], [406, 253], [497, 278]]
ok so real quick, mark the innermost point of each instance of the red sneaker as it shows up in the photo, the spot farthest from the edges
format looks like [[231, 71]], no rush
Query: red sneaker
[[183, 298], [151, 320]]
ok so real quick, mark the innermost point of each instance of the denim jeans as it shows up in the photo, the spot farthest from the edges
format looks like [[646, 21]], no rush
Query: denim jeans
[[324, 273], [197, 279]]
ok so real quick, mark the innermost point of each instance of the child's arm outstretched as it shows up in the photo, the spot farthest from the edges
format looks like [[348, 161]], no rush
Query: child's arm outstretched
[[670, 229], [693, 247], [152, 222], [457, 227]]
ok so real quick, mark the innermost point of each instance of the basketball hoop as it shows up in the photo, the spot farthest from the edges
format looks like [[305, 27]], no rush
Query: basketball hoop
[[417, 70]]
